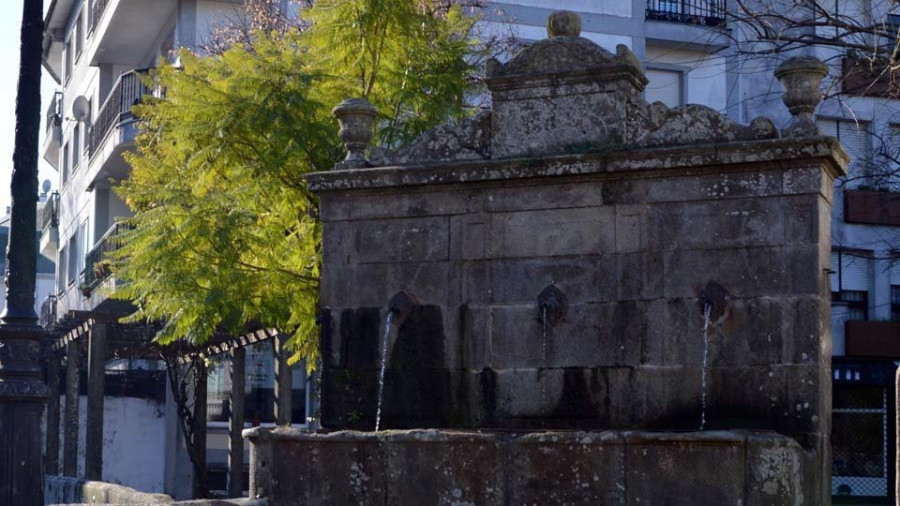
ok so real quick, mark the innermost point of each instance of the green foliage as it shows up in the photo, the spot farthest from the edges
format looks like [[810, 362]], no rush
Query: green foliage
[[225, 231]]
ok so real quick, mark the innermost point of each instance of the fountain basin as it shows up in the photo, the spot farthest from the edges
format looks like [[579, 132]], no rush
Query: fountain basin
[[431, 466]]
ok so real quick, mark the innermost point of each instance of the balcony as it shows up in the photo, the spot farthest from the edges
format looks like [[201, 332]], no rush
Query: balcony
[[96, 262], [124, 30], [53, 132], [692, 12], [97, 282], [872, 207], [872, 339], [50, 226], [867, 78], [115, 128]]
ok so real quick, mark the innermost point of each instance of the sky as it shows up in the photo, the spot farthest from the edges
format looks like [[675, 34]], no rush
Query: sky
[[10, 21]]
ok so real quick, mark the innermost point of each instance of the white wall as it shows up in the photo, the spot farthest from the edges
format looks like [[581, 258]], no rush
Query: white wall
[[133, 441], [706, 83]]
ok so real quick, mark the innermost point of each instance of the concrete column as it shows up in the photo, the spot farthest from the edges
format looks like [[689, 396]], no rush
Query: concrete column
[[283, 381], [199, 444], [70, 448], [236, 424], [93, 446], [51, 459]]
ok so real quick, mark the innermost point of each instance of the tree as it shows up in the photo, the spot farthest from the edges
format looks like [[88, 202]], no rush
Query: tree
[[225, 231], [857, 39]]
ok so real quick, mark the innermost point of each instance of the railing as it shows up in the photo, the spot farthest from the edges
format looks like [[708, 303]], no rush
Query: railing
[[48, 311], [128, 91], [96, 265], [50, 212], [97, 8], [693, 12], [54, 112]]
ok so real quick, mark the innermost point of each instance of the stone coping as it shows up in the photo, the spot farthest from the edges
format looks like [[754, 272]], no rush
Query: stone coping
[[638, 163], [453, 436]]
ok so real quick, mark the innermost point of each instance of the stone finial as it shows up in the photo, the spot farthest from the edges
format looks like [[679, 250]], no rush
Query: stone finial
[[356, 117], [801, 77], [563, 24]]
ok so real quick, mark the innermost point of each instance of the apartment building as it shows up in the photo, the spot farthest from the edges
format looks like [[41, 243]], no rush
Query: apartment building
[[97, 51]]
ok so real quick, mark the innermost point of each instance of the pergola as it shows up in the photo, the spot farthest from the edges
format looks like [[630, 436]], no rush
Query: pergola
[[100, 337]]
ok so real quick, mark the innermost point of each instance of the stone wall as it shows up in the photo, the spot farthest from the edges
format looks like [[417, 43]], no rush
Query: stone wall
[[615, 468], [631, 242], [578, 259]]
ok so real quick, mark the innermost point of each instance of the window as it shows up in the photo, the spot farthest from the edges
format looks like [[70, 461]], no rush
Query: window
[[65, 164], [259, 384], [857, 140], [850, 273], [69, 58], [665, 86], [78, 35], [73, 259], [76, 147], [84, 245], [62, 262]]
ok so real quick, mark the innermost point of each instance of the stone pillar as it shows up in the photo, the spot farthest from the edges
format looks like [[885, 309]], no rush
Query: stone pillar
[[70, 443], [51, 459], [93, 446], [236, 424], [199, 443], [283, 381]]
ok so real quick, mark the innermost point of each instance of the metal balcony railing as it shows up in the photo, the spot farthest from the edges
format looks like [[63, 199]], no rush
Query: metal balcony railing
[[50, 212], [48, 311], [693, 12], [97, 8], [126, 93], [96, 262], [54, 112]]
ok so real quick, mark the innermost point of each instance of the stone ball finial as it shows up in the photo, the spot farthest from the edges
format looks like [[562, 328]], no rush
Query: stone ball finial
[[564, 24], [356, 117], [801, 77]]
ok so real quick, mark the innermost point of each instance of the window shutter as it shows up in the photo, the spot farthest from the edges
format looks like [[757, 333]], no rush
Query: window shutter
[[854, 273], [895, 272], [664, 86], [855, 137]]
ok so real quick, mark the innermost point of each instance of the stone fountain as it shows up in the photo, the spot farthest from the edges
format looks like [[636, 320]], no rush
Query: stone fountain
[[577, 280]]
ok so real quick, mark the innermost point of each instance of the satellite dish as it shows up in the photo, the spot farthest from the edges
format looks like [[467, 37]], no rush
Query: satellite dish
[[80, 108], [46, 186]]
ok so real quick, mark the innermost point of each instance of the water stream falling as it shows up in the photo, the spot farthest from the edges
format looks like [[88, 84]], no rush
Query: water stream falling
[[707, 308], [384, 360], [543, 336]]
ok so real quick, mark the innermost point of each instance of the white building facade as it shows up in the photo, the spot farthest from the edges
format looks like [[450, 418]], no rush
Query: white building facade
[[97, 52]]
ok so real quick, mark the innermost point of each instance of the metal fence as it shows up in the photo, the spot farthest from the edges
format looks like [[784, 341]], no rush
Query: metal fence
[[693, 12], [96, 268], [50, 212], [48, 311], [53, 115], [126, 93], [860, 448]]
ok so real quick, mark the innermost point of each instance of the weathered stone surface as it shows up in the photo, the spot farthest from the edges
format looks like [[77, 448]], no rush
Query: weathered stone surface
[[496, 468], [642, 222], [470, 139]]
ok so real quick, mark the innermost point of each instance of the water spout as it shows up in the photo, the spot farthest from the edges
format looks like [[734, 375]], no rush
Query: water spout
[[384, 360], [707, 309]]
